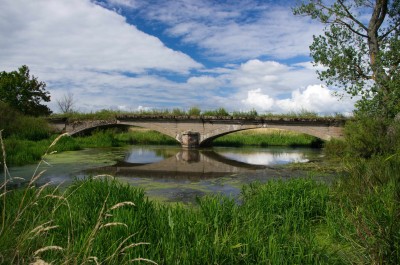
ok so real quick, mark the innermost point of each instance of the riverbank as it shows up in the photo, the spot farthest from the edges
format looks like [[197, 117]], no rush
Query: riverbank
[[298, 221]]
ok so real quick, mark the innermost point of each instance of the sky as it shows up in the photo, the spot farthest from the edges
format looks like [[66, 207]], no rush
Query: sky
[[135, 55]]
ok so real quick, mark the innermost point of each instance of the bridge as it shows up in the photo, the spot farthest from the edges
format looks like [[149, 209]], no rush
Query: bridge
[[194, 131]]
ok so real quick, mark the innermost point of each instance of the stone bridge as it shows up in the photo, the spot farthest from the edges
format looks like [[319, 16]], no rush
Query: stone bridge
[[192, 132]]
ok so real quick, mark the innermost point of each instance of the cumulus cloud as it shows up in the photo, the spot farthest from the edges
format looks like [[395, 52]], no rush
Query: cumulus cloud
[[315, 98], [259, 101], [82, 35]]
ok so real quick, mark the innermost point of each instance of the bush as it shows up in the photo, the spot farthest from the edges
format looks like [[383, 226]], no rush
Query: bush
[[20, 126], [335, 148], [194, 111], [221, 112], [365, 208], [369, 136]]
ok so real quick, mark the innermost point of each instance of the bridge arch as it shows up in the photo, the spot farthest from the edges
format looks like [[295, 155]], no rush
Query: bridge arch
[[207, 142], [81, 128], [202, 132]]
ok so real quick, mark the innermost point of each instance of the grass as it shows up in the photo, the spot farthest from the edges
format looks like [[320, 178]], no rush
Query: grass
[[274, 224], [193, 112], [266, 137], [298, 221]]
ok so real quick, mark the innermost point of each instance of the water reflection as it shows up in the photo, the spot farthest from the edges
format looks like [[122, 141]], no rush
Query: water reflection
[[145, 155], [266, 158], [197, 163]]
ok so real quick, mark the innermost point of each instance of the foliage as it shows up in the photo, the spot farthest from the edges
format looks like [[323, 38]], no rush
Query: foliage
[[194, 111], [335, 148], [367, 136], [14, 124], [252, 114], [365, 210], [220, 112], [360, 50], [23, 92]]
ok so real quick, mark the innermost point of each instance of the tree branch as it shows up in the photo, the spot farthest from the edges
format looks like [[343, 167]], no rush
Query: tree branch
[[341, 22], [378, 15], [350, 16], [395, 27]]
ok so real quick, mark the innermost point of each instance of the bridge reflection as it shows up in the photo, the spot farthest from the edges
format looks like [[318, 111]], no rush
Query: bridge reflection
[[186, 163]]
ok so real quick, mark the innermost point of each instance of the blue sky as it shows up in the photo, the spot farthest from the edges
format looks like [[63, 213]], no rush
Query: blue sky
[[154, 54]]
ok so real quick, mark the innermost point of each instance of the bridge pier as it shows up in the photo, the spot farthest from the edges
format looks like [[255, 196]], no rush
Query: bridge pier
[[190, 139]]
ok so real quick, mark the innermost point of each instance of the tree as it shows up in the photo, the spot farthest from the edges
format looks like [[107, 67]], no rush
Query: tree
[[360, 49], [66, 103], [23, 92]]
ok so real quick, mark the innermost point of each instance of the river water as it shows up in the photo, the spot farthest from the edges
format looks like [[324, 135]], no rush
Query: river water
[[169, 173]]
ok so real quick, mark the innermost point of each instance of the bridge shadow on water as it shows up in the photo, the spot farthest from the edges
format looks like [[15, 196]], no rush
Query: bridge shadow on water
[[185, 164]]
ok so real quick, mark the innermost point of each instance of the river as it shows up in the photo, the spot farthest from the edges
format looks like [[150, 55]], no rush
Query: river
[[172, 174]]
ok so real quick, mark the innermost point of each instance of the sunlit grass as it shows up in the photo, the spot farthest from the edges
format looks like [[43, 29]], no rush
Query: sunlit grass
[[266, 137]]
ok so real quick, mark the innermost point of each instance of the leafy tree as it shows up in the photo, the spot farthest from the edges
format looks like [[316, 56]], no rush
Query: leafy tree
[[23, 92], [360, 49]]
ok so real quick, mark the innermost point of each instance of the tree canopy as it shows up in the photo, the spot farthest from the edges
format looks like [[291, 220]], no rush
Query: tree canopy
[[24, 93], [360, 49]]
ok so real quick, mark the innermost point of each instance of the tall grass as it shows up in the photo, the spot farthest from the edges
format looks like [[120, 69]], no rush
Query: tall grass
[[40, 224], [274, 224], [365, 210]]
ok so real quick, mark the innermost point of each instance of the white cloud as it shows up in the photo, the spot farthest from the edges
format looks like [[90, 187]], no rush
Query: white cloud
[[79, 34], [315, 98], [259, 101], [81, 47]]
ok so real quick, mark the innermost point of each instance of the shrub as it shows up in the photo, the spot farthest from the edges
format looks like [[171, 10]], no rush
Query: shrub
[[20, 126], [194, 111], [221, 112], [369, 136]]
